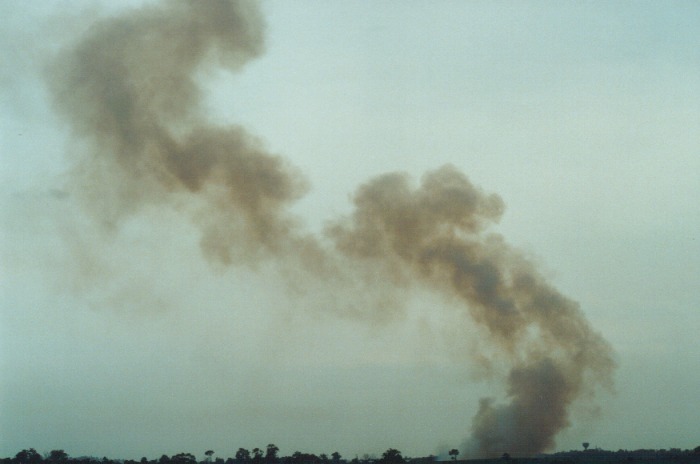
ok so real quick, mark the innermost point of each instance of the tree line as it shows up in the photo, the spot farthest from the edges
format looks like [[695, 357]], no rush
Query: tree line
[[270, 455], [267, 455]]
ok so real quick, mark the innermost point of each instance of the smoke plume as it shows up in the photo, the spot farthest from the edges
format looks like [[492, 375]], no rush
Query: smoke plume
[[128, 88]]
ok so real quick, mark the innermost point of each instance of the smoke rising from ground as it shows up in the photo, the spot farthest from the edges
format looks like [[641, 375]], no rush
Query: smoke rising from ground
[[129, 90]]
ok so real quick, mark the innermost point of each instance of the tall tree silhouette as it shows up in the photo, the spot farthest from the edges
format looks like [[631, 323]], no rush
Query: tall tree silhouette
[[271, 454], [242, 455]]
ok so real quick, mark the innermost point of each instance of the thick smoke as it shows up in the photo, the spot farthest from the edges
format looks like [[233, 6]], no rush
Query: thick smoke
[[129, 87], [129, 90], [437, 233]]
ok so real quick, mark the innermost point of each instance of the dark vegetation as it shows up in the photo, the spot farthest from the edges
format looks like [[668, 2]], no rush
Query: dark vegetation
[[270, 455]]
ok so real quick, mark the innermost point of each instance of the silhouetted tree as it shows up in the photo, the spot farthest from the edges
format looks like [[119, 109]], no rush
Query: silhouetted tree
[[208, 454], [57, 456], [257, 455], [242, 455], [586, 445], [183, 458], [336, 456], [271, 454], [454, 452], [392, 456], [29, 456], [164, 459]]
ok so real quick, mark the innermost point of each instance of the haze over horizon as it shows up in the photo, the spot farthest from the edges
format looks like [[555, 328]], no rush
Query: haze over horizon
[[349, 227]]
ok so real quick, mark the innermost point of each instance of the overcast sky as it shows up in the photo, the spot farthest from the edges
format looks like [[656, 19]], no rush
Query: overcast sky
[[584, 117]]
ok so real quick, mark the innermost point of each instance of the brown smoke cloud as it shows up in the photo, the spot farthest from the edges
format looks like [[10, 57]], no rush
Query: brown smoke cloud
[[128, 89], [437, 233]]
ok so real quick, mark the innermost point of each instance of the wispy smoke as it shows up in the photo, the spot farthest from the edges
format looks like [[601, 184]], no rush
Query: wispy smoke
[[128, 89]]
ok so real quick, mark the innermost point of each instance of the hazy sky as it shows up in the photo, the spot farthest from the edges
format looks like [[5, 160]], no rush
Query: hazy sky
[[121, 338]]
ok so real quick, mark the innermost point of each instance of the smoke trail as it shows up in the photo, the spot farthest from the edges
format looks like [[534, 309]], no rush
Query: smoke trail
[[128, 88]]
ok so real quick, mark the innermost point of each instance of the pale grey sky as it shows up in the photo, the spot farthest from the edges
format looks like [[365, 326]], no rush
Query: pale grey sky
[[583, 117]]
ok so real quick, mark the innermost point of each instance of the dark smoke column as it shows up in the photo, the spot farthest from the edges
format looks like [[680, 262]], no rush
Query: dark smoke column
[[128, 91]]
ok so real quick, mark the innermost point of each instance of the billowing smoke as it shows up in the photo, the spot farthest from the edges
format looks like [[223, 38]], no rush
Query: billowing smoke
[[437, 233], [129, 91], [130, 88]]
